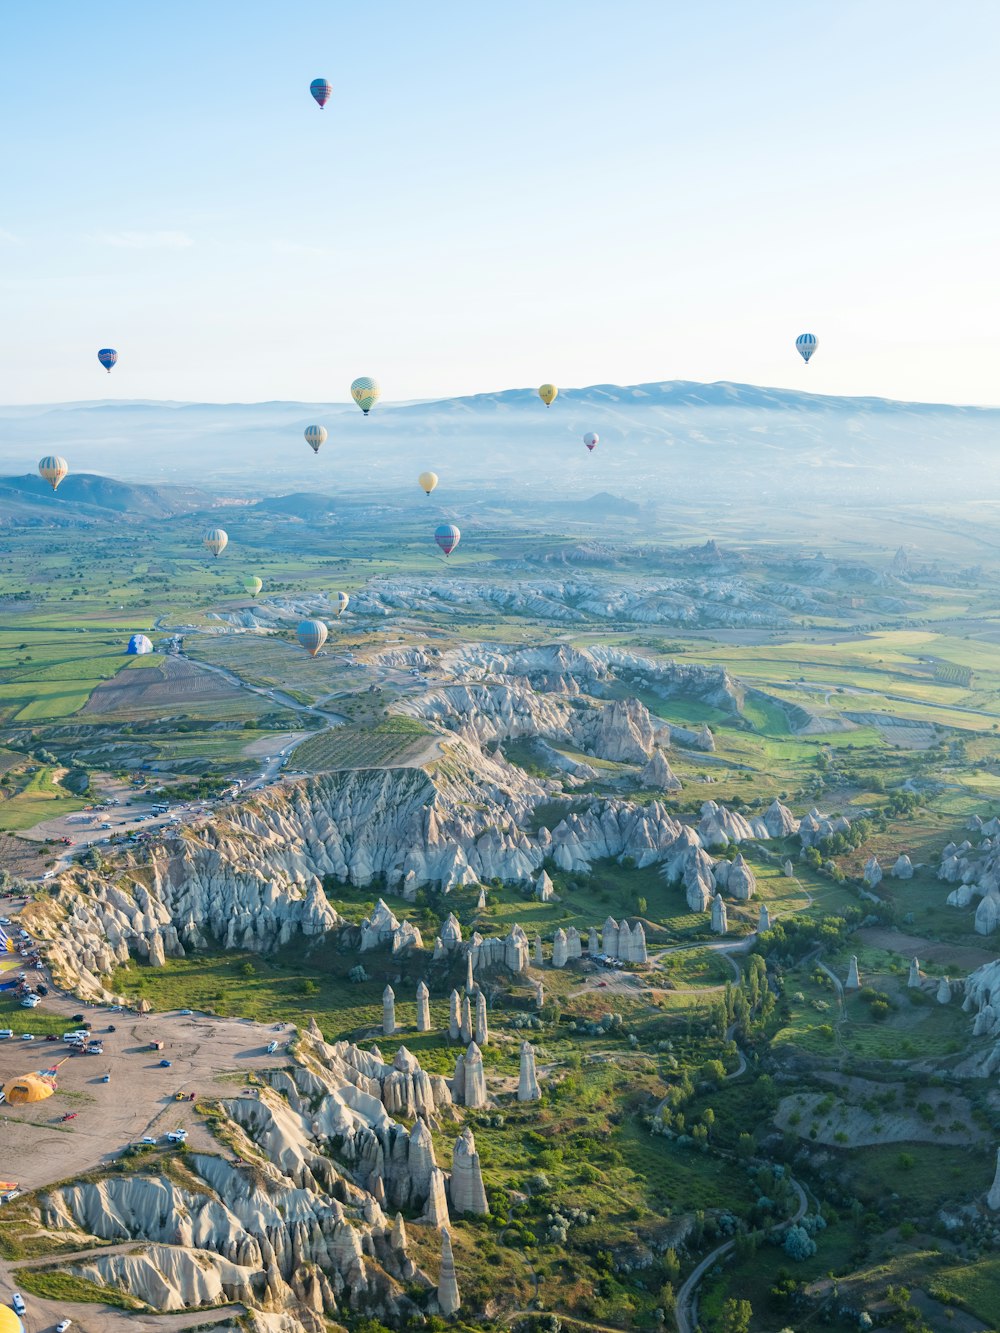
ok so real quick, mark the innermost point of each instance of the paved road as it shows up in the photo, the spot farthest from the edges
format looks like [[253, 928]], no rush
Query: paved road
[[686, 1312]]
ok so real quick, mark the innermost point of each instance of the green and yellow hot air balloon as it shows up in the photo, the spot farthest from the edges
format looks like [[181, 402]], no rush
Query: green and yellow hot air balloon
[[253, 585], [366, 393]]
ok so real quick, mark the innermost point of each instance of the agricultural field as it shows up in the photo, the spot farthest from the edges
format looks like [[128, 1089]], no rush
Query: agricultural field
[[384, 746]]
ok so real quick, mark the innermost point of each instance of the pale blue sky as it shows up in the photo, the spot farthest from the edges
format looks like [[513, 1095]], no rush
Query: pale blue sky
[[498, 194]]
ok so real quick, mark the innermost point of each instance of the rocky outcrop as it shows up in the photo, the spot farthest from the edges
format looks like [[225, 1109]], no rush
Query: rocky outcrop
[[853, 981], [544, 888], [944, 991], [903, 867], [720, 921], [388, 1012], [509, 951], [527, 1087], [448, 1297], [873, 872], [382, 927], [467, 1192], [914, 979], [559, 953], [736, 878], [423, 1007], [481, 1028], [814, 827], [657, 775], [609, 937], [719, 826], [779, 821]]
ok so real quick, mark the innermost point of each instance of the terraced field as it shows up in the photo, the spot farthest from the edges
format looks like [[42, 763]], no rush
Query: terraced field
[[359, 747]]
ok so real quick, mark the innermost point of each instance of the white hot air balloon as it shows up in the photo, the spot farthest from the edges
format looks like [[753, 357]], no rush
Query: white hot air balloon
[[315, 436], [216, 540], [805, 345]]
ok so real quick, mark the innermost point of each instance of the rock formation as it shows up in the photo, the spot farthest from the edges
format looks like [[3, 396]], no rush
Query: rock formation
[[388, 1012], [423, 1008], [544, 888], [788, 870], [993, 1197], [763, 919], [436, 1209], [470, 983], [448, 1298], [873, 872], [466, 1027], [914, 979], [593, 942], [632, 943], [467, 1192], [481, 900], [559, 954], [574, 944], [509, 951], [455, 1016], [699, 881], [382, 927], [482, 1032], [903, 868], [740, 882], [657, 775], [720, 922], [853, 979], [451, 932], [474, 1092], [527, 1088], [944, 991], [539, 955], [609, 937], [779, 821]]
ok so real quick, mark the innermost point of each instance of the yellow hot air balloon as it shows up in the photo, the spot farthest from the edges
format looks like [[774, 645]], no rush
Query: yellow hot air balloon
[[216, 540], [428, 480], [342, 601], [253, 586], [53, 469], [365, 393], [548, 393]]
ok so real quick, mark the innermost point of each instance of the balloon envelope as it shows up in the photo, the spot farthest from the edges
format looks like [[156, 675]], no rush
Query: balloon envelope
[[312, 635], [547, 393], [53, 469], [366, 393], [139, 645], [591, 440], [447, 537], [342, 601], [428, 480], [805, 345], [216, 540], [253, 586], [315, 436], [107, 357], [321, 90]]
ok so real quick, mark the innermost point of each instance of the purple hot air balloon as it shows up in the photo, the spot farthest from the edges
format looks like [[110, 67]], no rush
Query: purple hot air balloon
[[107, 357], [321, 90], [447, 537]]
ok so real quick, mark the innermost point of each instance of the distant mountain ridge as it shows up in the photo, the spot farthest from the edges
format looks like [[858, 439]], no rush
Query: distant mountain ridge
[[657, 440]]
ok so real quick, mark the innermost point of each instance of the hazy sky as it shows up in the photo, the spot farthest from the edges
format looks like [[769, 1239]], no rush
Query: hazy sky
[[498, 193]]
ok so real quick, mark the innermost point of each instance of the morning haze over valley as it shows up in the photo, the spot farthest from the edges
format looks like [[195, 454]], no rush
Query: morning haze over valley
[[499, 676]]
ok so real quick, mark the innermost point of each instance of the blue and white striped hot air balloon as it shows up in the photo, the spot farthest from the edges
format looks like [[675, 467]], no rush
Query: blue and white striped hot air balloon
[[805, 345], [107, 357], [315, 437], [138, 646]]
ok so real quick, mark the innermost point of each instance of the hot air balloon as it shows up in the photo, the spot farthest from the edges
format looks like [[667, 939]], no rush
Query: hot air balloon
[[312, 635], [216, 540], [591, 440], [805, 345], [447, 537], [321, 90], [315, 436], [107, 357], [53, 469], [365, 393], [428, 480], [342, 601], [253, 585], [548, 393], [138, 646]]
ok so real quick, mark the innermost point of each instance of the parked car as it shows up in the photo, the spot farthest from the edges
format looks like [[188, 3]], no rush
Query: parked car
[[164, 1064], [184, 1013], [51, 1036], [63, 1325], [6, 1032], [27, 1036], [17, 1300]]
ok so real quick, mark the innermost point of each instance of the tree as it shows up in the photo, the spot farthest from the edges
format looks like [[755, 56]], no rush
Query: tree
[[736, 1316]]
